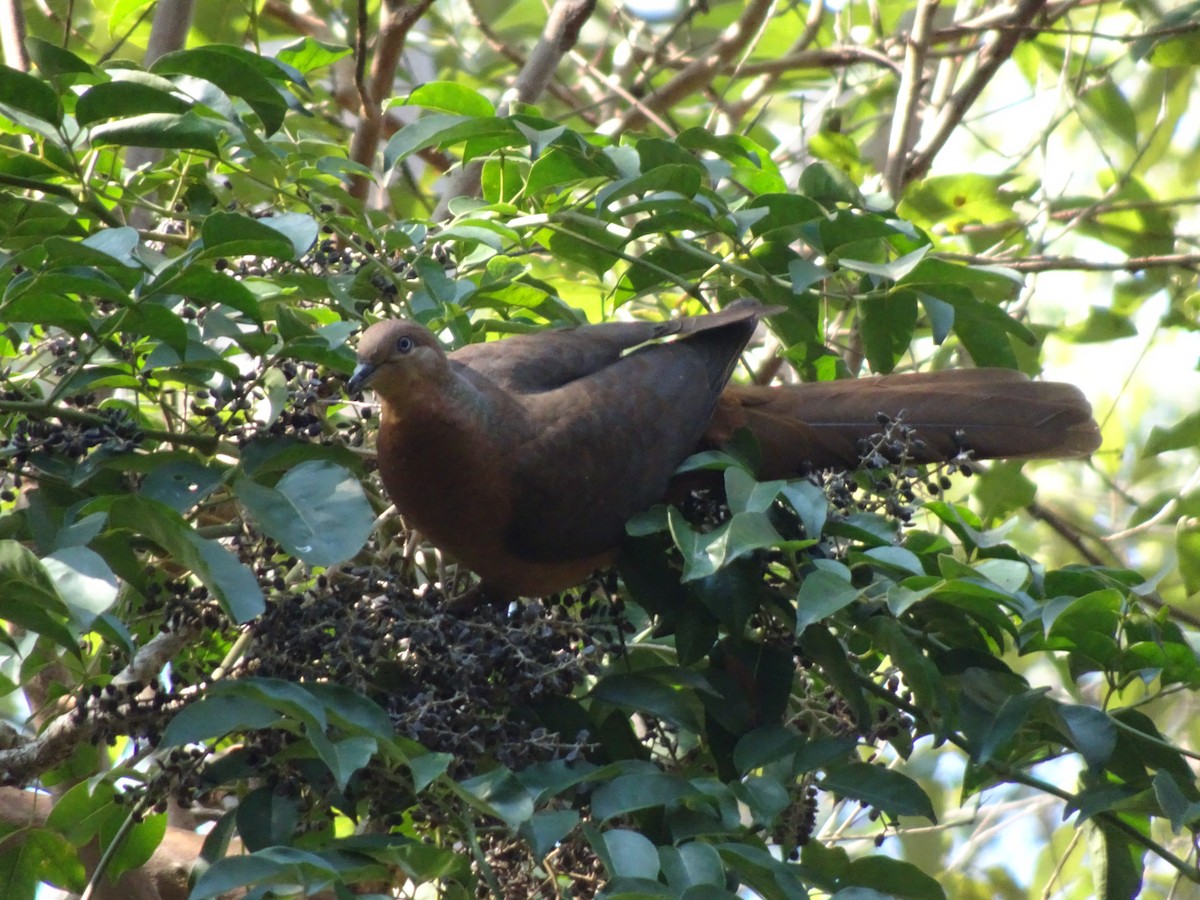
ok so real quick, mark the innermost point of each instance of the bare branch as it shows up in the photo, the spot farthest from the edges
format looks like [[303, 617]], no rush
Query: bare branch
[[697, 74], [12, 35], [401, 17], [24, 762], [987, 63], [1075, 263], [912, 81]]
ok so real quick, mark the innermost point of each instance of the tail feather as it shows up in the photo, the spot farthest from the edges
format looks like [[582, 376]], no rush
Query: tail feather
[[996, 413]]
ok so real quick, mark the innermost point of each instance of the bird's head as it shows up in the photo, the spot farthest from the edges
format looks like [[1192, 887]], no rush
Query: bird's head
[[395, 357]]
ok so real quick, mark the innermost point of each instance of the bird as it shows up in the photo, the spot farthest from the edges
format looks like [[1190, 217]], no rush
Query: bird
[[524, 458]]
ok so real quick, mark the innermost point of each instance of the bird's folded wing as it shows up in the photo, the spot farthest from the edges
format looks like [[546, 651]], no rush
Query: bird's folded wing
[[547, 360]]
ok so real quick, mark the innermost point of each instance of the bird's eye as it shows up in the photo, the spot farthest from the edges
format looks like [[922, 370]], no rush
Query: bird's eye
[[405, 344]]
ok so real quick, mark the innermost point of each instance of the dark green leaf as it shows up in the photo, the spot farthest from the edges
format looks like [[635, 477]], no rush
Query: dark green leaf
[[217, 715], [892, 878], [118, 99], [169, 131], [629, 793], [639, 692], [823, 592], [1119, 863], [220, 571], [543, 830], [885, 789], [236, 72], [266, 817], [230, 234], [504, 795], [1182, 812], [690, 865], [887, 329], [274, 865], [24, 92], [54, 60], [1092, 733], [28, 597]]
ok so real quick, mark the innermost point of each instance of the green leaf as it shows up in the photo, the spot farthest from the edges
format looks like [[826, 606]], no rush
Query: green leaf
[[1104, 98], [823, 592], [54, 60], [36, 855], [168, 131], [892, 878], [829, 185], [1187, 551], [504, 795], [692, 864], [887, 329], [317, 511], [705, 554], [818, 644], [643, 790], [217, 715], [84, 580], [220, 571], [1092, 733], [953, 201], [285, 866], [236, 72], [765, 745], [439, 128], [544, 830], [1182, 812], [632, 854], [180, 485], [640, 692], [451, 97], [587, 242], [231, 234], [676, 179], [309, 54], [209, 287], [887, 790], [20, 91], [1101, 327], [1119, 863], [136, 846], [119, 99], [1182, 435], [28, 597], [266, 817]]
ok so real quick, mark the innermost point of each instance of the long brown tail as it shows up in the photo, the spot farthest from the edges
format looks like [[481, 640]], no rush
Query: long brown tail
[[996, 413]]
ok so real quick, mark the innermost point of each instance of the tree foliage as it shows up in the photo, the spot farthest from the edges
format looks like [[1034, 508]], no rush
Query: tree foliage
[[886, 683]]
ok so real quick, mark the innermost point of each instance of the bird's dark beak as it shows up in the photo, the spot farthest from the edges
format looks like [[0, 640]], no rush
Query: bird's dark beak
[[359, 378]]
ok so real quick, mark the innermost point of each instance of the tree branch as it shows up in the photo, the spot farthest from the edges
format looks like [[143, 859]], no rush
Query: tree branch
[[1075, 263], [701, 71], [393, 35], [987, 62], [205, 443], [23, 763], [912, 81]]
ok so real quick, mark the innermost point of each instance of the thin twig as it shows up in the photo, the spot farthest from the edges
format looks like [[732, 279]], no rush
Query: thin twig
[[697, 74], [1075, 263]]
